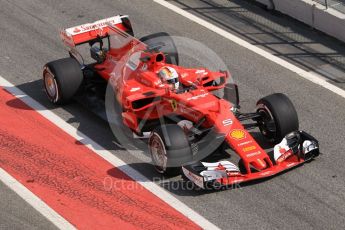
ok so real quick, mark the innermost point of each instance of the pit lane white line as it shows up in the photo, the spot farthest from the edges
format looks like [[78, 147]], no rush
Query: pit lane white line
[[34, 201], [305, 74], [108, 156]]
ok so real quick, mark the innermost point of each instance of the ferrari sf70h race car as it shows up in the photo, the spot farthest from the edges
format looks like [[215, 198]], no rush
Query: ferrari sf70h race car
[[192, 116]]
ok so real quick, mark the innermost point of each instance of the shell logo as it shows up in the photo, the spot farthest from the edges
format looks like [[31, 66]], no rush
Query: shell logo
[[238, 134], [76, 30]]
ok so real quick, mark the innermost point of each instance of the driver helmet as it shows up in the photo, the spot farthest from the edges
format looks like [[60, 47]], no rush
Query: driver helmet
[[169, 75]]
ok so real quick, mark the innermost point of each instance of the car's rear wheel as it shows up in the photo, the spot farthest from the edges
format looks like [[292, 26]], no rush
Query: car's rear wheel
[[165, 44], [169, 149], [62, 79], [278, 117]]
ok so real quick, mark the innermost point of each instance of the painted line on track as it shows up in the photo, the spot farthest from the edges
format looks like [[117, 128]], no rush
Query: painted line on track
[[108, 156], [301, 72], [34, 201]]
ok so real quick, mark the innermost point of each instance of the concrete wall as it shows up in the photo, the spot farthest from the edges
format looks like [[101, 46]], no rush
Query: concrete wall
[[328, 20], [331, 22], [268, 3]]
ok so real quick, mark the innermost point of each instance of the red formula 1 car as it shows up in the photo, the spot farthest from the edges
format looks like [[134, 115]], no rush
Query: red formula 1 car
[[192, 116]]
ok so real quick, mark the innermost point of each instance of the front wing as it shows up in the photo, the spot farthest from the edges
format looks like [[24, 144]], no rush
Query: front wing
[[225, 173]]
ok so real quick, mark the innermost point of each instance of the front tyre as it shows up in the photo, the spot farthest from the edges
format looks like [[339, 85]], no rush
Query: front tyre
[[62, 79], [169, 149], [278, 117]]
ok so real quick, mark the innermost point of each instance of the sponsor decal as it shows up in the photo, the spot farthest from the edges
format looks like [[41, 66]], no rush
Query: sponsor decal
[[284, 156], [135, 89], [76, 30], [95, 25], [238, 134], [88, 27], [282, 150], [254, 154], [200, 71], [249, 148], [265, 173], [232, 174], [244, 143], [227, 122], [197, 97]]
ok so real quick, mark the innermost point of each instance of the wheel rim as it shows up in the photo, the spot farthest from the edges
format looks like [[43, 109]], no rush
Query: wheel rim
[[50, 85], [158, 153], [267, 124]]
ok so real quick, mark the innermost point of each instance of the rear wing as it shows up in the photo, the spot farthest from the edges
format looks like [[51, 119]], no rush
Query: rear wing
[[77, 35]]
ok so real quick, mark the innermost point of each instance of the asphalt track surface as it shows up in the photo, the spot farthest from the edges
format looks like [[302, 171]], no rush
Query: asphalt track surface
[[16, 214], [311, 196]]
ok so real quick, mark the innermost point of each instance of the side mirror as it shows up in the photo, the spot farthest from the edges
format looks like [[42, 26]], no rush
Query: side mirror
[[231, 94]]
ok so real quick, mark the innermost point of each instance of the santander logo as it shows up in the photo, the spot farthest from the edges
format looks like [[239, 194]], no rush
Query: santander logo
[[96, 25]]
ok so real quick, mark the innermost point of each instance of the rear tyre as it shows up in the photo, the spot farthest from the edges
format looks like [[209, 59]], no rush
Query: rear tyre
[[169, 149], [168, 46], [62, 79], [278, 117]]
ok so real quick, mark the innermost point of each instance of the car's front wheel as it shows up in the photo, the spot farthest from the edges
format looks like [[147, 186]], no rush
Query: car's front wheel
[[278, 117], [170, 149]]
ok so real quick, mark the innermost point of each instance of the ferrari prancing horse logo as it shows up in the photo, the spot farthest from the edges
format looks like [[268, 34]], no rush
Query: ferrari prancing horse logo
[[173, 105]]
